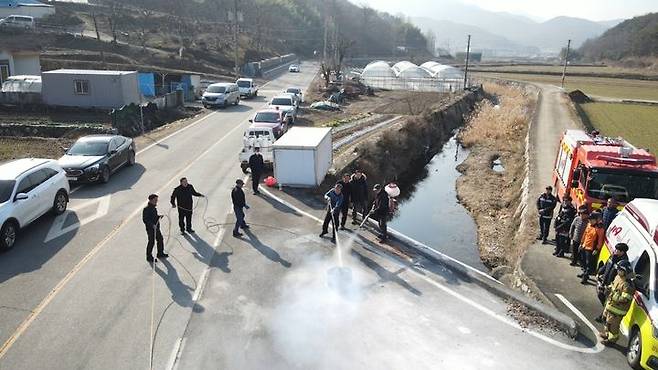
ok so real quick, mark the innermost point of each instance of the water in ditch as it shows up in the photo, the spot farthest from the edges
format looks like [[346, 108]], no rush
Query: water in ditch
[[432, 214]]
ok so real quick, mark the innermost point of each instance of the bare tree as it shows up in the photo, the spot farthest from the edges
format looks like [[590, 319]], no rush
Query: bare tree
[[113, 18], [146, 16]]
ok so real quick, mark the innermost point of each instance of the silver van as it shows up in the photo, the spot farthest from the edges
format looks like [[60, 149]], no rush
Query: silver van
[[221, 95], [18, 21]]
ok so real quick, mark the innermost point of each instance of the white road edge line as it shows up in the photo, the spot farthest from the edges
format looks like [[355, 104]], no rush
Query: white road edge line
[[582, 317], [293, 207], [22, 327], [501, 318], [172, 364]]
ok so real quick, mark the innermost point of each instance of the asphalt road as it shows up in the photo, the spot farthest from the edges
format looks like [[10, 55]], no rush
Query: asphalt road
[[75, 292], [273, 301], [86, 299]]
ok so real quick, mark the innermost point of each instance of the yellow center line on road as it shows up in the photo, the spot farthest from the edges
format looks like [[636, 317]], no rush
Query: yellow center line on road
[[62, 283]]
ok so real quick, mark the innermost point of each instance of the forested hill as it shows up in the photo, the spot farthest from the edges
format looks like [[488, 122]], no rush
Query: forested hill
[[636, 37]]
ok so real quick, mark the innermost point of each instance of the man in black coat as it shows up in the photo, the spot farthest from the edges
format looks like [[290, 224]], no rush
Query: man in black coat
[[345, 205], [257, 166], [358, 194], [545, 206], [380, 211], [563, 223], [182, 195], [151, 220], [239, 203]]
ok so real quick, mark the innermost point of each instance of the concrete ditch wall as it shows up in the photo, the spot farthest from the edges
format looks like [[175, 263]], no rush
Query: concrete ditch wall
[[406, 147]]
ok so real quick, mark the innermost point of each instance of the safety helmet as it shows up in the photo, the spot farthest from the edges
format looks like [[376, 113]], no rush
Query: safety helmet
[[625, 266]]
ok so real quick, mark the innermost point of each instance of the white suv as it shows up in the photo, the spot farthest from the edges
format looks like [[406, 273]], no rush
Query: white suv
[[248, 87], [29, 188]]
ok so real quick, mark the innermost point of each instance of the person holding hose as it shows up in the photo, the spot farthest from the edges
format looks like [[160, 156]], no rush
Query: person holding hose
[[151, 220], [380, 210], [347, 193], [182, 195], [358, 195], [334, 199], [618, 303]]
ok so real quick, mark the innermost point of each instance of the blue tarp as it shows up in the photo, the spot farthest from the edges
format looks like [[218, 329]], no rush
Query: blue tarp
[[147, 84]]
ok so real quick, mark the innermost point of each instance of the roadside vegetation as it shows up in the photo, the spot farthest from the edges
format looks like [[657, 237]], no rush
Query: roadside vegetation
[[497, 131], [602, 70], [636, 123]]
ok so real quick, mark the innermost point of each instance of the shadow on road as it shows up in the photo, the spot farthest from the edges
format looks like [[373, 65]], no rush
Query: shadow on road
[[123, 179], [266, 251], [205, 253], [180, 292], [30, 252], [384, 274]]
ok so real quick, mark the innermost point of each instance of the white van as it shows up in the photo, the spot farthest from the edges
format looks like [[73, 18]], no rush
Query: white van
[[637, 226], [18, 21], [248, 88], [221, 95]]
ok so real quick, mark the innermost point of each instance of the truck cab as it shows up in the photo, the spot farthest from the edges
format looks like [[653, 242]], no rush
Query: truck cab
[[592, 168], [256, 137]]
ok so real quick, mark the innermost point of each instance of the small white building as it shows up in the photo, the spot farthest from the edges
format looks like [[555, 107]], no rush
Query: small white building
[[90, 88], [302, 156], [32, 8], [18, 62]]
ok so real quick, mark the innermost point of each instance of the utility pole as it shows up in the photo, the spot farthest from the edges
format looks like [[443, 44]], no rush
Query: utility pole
[[235, 38], [468, 54], [566, 61], [326, 34]]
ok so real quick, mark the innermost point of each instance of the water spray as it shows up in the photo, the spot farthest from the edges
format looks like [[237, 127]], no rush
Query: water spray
[[338, 277]]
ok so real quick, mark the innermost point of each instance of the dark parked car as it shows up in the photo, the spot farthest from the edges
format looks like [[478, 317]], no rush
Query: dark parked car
[[94, 158]]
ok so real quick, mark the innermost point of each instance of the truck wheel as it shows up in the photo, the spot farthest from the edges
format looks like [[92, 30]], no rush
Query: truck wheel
[[634, 352], [8, 235], [244, 167], [256, 93]]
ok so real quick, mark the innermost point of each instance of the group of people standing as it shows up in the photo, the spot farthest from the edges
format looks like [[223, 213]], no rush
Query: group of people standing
[[581, 233], [351, 192]]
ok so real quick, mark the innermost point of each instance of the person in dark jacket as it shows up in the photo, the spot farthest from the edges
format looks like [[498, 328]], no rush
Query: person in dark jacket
[[257, 166], [563, 223], [181, 197], [380, 210], [334, 199], [151, 220], [358, 194], [607, 273], [239, 203], [609, 212], [545, 206], [345, 205]]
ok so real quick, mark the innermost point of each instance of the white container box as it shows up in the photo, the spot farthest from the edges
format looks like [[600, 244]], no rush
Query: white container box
[[303, 156]]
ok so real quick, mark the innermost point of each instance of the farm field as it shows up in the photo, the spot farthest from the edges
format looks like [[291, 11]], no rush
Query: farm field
[[593, 86], [636, 123], [593, 70]]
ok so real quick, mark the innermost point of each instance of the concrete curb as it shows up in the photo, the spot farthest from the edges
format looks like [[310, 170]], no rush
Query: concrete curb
[[564, 322]]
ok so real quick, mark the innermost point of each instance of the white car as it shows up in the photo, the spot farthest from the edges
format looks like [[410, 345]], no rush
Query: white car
[[286, 104], [297, 92], [18, 21], [29, 188], [221, 95], [248, 88], [294, 68]]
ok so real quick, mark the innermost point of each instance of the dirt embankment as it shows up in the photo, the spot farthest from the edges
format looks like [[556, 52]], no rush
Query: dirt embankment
[[497, 132], [409, 145]]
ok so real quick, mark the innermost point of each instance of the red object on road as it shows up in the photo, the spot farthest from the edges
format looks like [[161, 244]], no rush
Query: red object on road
[[270, 181]]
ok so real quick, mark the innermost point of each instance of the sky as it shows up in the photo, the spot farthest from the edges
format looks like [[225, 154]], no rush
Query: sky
[[596, 10]]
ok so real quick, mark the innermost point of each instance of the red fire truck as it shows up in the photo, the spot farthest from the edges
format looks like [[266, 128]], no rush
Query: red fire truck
[[592, 168]]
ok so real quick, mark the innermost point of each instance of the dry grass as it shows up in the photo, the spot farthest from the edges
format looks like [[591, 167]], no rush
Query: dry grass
[[498, 122], [25, 147], [496, 131]]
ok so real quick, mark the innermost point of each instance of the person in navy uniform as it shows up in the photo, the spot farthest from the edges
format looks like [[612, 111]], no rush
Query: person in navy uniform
[[545, 206]]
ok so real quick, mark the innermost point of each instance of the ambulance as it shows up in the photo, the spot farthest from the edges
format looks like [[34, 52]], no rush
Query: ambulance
[[592, 168], [637, 226]]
